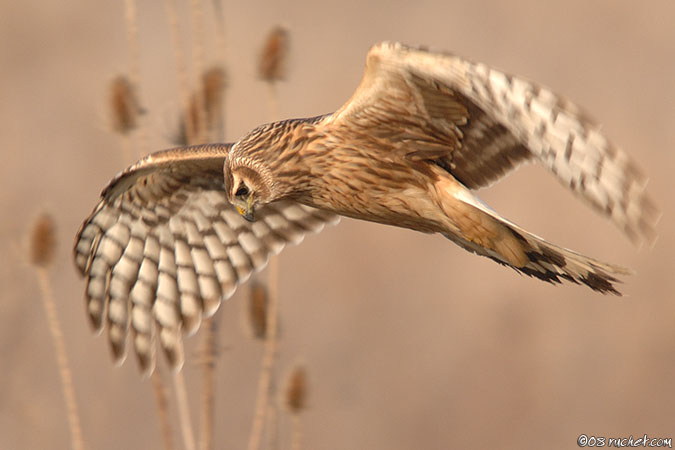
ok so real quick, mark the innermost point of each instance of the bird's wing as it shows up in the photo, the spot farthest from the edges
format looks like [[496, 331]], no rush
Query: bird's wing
[[163, 247], [479, 124]]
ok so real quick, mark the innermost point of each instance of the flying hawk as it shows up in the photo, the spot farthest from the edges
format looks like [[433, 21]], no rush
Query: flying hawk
[[175, 233]]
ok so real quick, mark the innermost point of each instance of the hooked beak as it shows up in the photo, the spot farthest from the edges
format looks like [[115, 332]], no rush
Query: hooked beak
[[248, 212]]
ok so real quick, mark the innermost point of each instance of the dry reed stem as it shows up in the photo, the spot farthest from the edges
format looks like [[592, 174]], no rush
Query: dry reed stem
[[220, 26], [273, 101], [209, 102], [208, 90], [127, 149], [221, 52], [181, 71], [271, 65], [162, 409], [281, 37], [208, 385], [269, 358], [42, 250], [61, 359], [272, 428], [183, 410], [198, 64], [295, 401], [131, 16], [296, 433]]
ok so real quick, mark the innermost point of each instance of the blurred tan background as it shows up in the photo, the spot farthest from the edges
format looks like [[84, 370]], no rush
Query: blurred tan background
[[409, 341]]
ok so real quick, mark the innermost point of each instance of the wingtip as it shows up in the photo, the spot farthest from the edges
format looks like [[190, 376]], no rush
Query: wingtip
[[146, 364]]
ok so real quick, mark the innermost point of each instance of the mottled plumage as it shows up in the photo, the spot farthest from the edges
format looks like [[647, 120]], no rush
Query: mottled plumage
[[164, 247], [175, 233]]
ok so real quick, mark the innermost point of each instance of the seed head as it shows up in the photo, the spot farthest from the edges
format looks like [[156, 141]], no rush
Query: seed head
[[257, 310], [295, 393], [43, 241], [274, 55], [124, 106]]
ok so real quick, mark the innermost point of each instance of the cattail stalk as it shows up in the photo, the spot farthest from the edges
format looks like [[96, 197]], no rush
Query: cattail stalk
[[131, 16], [273, 101], [272, 426], [271, 68], [268, 360], [295, 400], [61, 359], [273, 280], [162, 409], [221, 51], [42, 248], [198, 65], [296, 433], [209, 106], [127, 149], [208, 385], [276, 49], [219, 14], [183, 410], [181, 71]]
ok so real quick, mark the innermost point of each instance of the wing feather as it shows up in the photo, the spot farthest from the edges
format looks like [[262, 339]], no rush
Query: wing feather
[[479, 124], [164, 247]]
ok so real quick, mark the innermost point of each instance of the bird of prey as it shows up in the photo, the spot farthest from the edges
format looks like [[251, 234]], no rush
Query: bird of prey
[[175, 233]]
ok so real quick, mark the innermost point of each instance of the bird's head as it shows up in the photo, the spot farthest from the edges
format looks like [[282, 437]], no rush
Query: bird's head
[[249, 184], [260, 168]]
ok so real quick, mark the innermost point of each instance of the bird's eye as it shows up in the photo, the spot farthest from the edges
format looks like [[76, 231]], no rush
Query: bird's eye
[[242, 191]]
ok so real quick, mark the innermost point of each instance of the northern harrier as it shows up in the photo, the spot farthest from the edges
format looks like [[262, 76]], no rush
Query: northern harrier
[[176, 232]]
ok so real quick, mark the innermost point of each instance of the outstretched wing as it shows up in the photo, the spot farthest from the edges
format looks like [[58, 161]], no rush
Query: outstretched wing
[[479, 124], [163, 247]]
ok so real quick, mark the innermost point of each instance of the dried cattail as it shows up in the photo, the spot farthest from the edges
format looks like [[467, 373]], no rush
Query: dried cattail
[[273, 58], [124, 106], [214, 82], [295, 392], [271, 315], [43, 241], [256, 310], [42, 246], [208, 401]]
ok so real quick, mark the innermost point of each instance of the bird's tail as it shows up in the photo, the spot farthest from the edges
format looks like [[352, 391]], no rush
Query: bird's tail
[[480, 230]]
